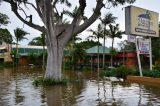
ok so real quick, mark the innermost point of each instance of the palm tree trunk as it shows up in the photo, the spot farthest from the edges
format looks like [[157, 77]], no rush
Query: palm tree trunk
[[104, 53], [112, 53], [98, 58], [16, 53]]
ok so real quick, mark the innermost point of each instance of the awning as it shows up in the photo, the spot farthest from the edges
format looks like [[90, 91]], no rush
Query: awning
[[2, 47]]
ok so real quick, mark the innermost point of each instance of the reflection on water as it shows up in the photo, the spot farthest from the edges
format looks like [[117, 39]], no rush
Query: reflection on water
[[87, 90]]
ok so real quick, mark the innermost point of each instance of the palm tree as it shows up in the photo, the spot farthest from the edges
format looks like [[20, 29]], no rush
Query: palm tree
[[19, 36], [5, 36], [40, 41], [108, 19], [114, 33], [97, 34], [71, 47]]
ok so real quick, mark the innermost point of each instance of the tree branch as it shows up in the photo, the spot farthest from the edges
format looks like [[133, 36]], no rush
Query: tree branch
[[38, 10], [31, 5], [92, 19], [14, 9], [54, 3]]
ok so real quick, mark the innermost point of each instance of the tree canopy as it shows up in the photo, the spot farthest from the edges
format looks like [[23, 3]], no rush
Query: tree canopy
[[5, 36]]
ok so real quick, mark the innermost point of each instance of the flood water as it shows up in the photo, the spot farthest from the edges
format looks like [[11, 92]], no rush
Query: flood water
[[16, 89]]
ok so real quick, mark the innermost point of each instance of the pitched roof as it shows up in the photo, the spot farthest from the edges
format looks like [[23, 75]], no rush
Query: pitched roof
[[94, 50]]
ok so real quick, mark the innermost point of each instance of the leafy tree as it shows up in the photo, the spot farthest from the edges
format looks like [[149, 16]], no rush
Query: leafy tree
[[97, 34], [127, 46], [3, 19], [38, 41], [89, 43], [114, 33], [5, 36], [78, 54], [57, 33], [71, 46], [19, 36], [108, 19]]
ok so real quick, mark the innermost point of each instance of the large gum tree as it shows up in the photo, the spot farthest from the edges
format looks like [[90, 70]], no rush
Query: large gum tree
[[57, 33]]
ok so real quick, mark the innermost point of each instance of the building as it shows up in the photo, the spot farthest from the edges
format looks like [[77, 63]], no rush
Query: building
[[23, 51], [127, 58]]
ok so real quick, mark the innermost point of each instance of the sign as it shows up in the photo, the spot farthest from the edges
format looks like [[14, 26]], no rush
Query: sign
[[144, 46], [141, 22], [131, 38]]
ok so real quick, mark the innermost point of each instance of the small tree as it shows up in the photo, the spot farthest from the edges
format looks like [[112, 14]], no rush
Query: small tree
[[114, 33], [19, 36], [108, 19], [3, 19], [40, 41], [97, 34], [5, 36]]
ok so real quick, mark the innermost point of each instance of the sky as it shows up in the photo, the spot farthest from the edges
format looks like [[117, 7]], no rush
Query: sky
[[152, 5]]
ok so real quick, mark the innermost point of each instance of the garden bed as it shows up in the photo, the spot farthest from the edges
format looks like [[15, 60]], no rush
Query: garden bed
[[139, 79]]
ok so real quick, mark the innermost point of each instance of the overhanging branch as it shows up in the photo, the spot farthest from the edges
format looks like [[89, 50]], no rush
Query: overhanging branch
[[92, 19], [14, 9]]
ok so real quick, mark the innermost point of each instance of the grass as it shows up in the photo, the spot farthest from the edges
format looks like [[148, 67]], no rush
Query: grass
[[52, 82], [49, 82]]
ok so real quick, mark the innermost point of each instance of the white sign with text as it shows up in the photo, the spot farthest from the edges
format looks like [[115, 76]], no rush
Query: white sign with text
[[144, 46]]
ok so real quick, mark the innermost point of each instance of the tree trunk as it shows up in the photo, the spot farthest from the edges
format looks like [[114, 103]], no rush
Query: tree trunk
[[54, 61], [104, 52], [17, 49], [98, 58], [55, 41], [112, 53]]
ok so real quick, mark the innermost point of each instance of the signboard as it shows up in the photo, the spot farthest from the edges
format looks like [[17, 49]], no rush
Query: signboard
[[141, 22], [131, 38], [144, 46]]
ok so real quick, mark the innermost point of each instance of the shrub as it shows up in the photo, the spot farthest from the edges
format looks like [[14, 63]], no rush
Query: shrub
[[153, 73], [123, 71], [120, 72], [49, 82], [6, 64]]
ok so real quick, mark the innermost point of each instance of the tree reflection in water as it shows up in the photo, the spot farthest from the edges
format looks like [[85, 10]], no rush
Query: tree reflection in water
[[86, 90]]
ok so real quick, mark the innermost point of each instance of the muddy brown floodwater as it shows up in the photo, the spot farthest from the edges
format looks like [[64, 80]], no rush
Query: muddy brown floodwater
[[16, 89]]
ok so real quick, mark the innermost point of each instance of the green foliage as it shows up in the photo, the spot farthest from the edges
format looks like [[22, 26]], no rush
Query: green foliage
[[68, 65], [120, 2], [33, 58], [123, 71], [153, 73], [36, 59], [38, 41], [20, 34], [113, 51], [88, 44], [108, 73], [156, 50], [98, 33], [5, 36], [108, 19], [3, 19], [115, 32], [6, 64], [120, 72], [49, 82]]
